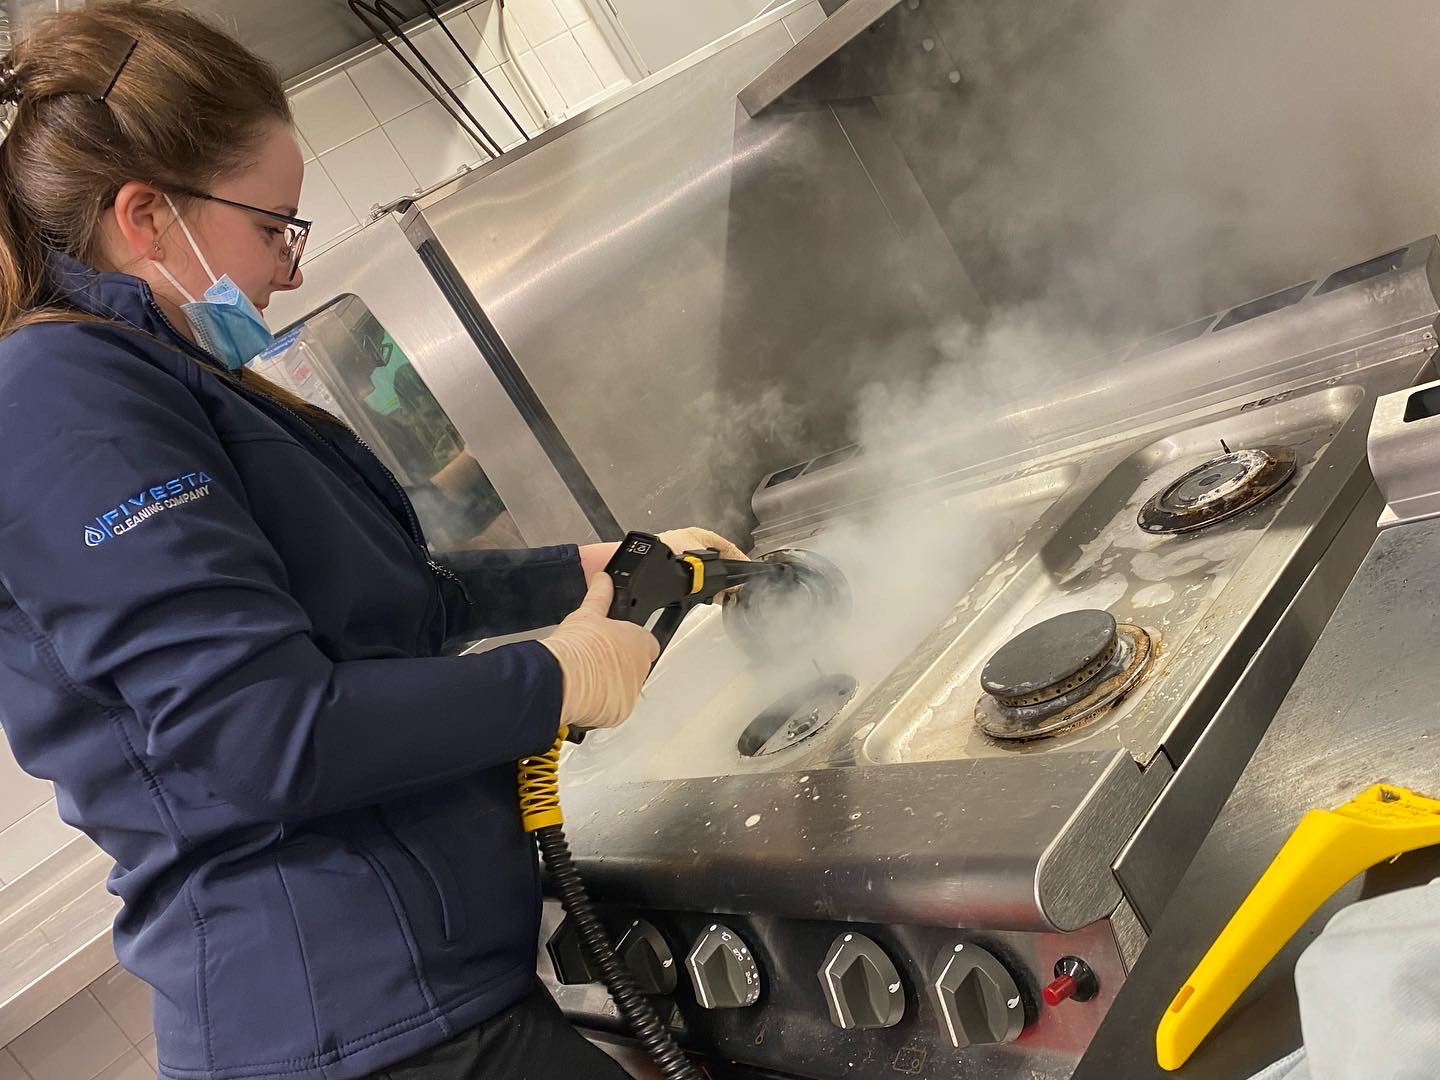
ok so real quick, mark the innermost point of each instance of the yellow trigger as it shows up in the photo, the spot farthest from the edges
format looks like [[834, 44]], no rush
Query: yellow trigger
[[697, 573]]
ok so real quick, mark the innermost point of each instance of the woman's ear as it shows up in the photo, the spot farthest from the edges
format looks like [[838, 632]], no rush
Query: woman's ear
[[142, 217]]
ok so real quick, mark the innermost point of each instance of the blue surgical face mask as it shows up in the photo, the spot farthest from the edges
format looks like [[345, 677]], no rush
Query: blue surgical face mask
[[225, 322]]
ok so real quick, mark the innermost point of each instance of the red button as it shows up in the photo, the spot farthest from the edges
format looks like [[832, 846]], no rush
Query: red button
[[1059, 990]]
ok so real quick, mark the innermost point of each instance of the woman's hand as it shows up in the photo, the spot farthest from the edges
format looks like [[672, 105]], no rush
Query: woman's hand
[[603, 661]]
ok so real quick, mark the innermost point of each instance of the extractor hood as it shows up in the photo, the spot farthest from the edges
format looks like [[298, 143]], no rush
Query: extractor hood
[[855, 52], [879, 48]]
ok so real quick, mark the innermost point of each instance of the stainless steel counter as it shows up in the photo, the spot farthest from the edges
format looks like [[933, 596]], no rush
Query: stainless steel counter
[[1361, 711]]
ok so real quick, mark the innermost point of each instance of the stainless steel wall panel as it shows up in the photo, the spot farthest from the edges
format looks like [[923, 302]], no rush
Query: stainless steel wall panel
[[695, 296], [380, 266]]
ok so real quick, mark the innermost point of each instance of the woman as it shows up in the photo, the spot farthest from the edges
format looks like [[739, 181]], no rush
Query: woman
[[221, 634]]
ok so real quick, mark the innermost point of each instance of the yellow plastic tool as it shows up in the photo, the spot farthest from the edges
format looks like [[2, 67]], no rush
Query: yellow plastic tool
[[1327, 849]]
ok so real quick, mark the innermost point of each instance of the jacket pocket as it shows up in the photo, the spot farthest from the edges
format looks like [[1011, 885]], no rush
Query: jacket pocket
[[417, 828], [338, 893]]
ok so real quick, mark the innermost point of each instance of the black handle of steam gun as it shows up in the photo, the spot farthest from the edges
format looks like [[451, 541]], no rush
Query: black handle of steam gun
[[649, 577]]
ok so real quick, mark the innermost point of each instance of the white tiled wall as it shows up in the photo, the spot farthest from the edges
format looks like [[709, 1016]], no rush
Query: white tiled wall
[[30, 829], [20, 793], [102, 1033], [32, 840], [372, 134]]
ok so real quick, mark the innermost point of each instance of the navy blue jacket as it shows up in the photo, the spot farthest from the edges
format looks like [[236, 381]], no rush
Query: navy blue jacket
[[222, 637]]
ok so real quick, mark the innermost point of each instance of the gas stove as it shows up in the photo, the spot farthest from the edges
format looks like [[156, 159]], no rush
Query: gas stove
[[937, 854]]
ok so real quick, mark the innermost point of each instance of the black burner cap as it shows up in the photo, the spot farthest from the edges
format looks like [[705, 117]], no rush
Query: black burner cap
[[1049, 653]]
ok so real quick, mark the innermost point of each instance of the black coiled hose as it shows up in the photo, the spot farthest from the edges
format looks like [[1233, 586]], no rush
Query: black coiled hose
[[599, 951]]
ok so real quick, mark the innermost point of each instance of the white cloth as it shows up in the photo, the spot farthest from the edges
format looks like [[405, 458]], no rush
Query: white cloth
[[1369, 998], [1293, 1067]]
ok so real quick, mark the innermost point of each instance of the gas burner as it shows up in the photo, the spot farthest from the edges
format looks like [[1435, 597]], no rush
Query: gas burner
[[796, 716], [1219, 489], [1059, 673], [786, 614]]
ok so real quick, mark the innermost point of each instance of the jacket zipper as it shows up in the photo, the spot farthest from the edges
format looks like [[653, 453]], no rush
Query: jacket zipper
[[416, 536], [415, 533]]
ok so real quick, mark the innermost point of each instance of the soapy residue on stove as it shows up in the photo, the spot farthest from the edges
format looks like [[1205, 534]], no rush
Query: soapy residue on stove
[[1153, 596], [1165, 587]]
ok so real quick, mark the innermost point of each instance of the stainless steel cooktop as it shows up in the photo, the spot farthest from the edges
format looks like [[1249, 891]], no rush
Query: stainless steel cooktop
[[1058, 660]]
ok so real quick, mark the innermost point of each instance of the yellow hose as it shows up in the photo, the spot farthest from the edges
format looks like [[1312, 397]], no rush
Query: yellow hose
[[540, 814], [540, 787]]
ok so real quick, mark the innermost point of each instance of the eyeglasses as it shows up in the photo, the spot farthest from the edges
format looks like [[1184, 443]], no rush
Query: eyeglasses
[[297, 230]]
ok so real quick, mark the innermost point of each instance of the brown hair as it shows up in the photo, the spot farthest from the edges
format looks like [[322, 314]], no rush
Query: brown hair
[[189, 105]]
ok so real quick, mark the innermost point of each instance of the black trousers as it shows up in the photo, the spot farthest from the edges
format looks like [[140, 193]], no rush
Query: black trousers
[[531, 1040]]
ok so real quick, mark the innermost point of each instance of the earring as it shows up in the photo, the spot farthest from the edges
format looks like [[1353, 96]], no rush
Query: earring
[[155, 247]]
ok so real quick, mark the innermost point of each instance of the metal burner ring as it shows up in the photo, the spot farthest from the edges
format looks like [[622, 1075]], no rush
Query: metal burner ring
[[1209, 485], [1136, 647], [1218, 489]]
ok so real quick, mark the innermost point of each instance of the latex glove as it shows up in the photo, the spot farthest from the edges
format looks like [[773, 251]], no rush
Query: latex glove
[[603, 661], [682, 540]]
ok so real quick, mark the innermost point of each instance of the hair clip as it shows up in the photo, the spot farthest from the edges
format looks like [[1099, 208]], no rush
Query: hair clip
[[134, 43], [10, 89]]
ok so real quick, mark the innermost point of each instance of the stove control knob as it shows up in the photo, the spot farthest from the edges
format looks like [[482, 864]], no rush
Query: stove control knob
[[644, 950], [862, 988], [567, 957], [722, 969], [977, 999]]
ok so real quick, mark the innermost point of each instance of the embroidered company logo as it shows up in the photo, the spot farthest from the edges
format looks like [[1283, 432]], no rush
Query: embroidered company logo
[[139, 508]]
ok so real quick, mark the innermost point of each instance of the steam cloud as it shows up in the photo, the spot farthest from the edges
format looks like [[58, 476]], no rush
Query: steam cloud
[[1120, 168]]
